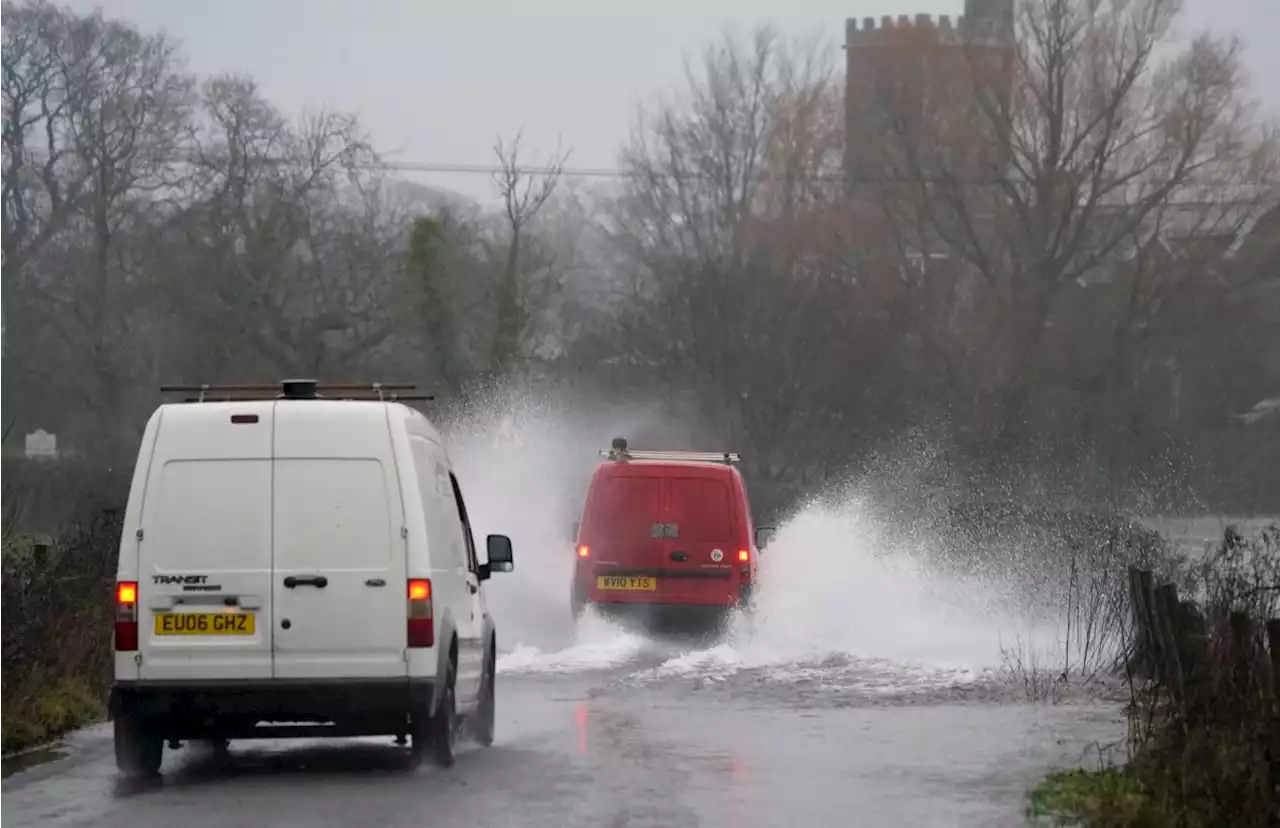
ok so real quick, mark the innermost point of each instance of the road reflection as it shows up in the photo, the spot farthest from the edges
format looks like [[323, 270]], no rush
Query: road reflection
[[580, 715], [198, 765]]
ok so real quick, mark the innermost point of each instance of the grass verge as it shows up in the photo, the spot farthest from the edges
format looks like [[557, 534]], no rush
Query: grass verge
[[39, 712], [1103, 798], [1204, 745], [57, 616]]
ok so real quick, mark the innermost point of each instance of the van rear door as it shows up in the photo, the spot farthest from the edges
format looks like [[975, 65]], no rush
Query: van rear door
[[704, 548], [625, 510], [204, 546], [340, 578]]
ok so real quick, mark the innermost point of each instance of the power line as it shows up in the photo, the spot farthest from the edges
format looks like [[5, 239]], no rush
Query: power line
[[496, 169], [618, 173], [608, 172], [615, 172]]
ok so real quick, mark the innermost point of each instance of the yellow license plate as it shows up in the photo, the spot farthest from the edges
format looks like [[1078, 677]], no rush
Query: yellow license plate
[[204, 623], [629, 583]]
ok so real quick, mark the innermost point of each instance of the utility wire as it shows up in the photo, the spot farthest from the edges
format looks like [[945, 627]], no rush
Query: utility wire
[[496, 169], [616, 173], [610, 172]]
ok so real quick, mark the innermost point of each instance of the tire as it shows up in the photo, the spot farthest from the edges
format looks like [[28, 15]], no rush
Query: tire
[[486, 716], [444, 724], [219, 748], [139, 749], [577, 602]]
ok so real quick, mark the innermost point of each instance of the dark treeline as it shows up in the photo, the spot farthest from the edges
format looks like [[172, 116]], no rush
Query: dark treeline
[[1080, 313]]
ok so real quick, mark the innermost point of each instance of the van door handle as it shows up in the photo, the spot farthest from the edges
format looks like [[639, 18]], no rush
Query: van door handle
[[317, 581]]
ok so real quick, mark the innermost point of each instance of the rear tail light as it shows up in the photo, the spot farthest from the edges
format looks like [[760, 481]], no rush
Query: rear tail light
[[744, 572], [744, 555], [421, 625], [126, 616], [584, 551]]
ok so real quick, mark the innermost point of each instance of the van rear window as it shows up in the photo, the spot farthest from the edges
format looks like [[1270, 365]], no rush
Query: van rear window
[[331, 513], [701, 508], [628, 506], [211, 515]]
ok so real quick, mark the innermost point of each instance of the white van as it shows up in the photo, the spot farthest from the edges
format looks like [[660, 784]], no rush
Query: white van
[[299, 565]]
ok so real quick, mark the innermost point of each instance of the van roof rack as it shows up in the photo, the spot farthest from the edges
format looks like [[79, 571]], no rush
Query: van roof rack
[[298, 389], [619, 453]]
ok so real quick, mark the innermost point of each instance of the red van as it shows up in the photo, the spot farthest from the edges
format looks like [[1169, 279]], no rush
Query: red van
[[665, 531]]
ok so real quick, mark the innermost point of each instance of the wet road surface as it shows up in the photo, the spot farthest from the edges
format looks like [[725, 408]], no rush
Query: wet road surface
[[591, 750]]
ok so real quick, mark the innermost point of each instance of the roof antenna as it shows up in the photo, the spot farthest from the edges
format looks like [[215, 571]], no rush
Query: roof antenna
[[299, 389]]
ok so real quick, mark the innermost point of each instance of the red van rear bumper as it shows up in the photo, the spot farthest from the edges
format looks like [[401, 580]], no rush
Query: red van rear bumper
[[711, 588]]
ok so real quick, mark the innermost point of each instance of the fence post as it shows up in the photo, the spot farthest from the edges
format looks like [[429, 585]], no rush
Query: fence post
[[1273, 642], [1194, 641], [1166, 601], [1151, 629], [1242, 650], [1142, 654]]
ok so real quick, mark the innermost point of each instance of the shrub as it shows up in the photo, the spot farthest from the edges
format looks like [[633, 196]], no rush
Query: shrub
[[56, 619], [1064, 568], [1204, 727]]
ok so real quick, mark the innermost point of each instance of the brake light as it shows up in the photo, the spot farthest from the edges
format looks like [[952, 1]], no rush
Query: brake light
[[126, 616], [421, 625], [744, 555], [584, 551]]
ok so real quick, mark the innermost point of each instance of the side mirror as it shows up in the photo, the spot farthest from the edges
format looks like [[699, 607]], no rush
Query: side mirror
[[764, 536], [501, 556]]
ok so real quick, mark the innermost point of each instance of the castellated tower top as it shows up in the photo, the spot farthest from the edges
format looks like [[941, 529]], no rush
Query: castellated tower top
[[980, 17]]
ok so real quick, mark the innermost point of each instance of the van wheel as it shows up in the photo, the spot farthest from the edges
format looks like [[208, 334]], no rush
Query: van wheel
[[444, 724], [486, 715], [139, 749], [219, 747]]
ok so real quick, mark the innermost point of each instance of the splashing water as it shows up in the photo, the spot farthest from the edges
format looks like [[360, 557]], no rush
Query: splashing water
[[833, 583], [835, 594], [837, 602], [524, 470], [597, 644]]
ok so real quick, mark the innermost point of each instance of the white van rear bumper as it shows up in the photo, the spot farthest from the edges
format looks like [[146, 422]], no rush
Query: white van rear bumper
[[238, 710]]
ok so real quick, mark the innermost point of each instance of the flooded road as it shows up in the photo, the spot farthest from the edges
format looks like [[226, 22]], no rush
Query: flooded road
[[865, 692], [602, 748]]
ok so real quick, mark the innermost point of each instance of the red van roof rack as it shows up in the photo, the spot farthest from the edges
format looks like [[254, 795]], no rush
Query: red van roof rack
[[298, 389], [620, 453]]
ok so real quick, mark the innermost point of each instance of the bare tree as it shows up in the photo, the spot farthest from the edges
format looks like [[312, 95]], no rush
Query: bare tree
[[291, 234], [1027, 155], [42, 177], [741, 292], [427, 272], [482, 289], [128, 115], [526, 278]]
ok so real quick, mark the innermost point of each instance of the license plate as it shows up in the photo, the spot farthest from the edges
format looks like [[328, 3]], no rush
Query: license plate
[[204, 623], [629, 583]]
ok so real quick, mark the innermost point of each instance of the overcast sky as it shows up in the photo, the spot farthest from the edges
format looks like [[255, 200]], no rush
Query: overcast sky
[[436, 81]]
